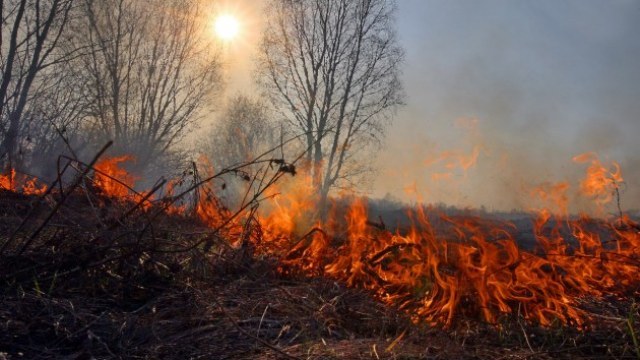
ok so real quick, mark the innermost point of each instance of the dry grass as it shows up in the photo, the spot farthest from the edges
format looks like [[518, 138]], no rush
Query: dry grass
[[96, 283]]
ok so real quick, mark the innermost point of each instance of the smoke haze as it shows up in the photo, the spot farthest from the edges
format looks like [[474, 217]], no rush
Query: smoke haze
[[521, 87]]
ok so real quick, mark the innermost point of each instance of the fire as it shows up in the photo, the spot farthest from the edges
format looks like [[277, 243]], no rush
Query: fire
[[292, 209], [451, 160], [7, 182], [554, 196], [474, 267], [28, 185], [112, 179], [440, 268], [600, 181], [209, 209], [448, 163]]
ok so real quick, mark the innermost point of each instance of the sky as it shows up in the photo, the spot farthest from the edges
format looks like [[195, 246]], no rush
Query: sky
[[521, 87], [526, 84]]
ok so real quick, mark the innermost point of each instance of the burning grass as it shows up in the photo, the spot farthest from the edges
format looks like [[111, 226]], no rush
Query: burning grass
[[91, 268]]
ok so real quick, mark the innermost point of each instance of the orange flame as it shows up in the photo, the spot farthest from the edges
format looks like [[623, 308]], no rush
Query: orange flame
[[27, 185], [112, 179], [7, 182], [476, 266], [30, 187], [440, 268], [292, 208], [599, 181], [554, 196], [451, 160]]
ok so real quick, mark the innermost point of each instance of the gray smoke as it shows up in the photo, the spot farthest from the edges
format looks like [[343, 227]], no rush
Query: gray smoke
[[546, 81]]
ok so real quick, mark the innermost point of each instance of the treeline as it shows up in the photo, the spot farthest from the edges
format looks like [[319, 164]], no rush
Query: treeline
[[77, 73]]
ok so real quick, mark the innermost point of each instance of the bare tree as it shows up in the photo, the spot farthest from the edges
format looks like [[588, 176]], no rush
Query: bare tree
[[149, 72], [53, 120], [244, 130], [332, 68], [29, 36]]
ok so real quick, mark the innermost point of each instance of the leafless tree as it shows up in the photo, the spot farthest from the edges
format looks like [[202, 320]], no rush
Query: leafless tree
[[243, 131], [29, 36], [149, 72], [53, 120], [332, 68]]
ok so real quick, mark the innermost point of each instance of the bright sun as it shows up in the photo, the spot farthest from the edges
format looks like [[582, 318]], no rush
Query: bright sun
[[227, 27]]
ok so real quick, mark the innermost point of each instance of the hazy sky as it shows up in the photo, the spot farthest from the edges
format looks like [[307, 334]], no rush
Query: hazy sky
[[528, 84], [524, 85]]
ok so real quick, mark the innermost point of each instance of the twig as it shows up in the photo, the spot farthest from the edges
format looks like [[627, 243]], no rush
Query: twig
[[380, 226], [263, 342], [35, 207], [142, 201], [524, 332], [64, 139], [63, 198], [102, 173], [293, 248], [261, 320], [375, 258], [274, 178]]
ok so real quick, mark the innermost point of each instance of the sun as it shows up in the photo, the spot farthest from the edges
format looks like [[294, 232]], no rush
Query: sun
[[227, 27]]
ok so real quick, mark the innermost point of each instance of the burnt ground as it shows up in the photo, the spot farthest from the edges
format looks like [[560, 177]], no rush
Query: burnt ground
[[96, 278]]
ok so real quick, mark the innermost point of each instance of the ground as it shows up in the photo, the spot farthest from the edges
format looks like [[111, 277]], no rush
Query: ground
[[93, 278]]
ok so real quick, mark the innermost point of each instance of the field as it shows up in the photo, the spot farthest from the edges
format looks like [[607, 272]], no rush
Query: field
[[104, 279]]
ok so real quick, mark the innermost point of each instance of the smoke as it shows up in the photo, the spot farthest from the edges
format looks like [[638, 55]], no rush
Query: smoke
[[543, 81]]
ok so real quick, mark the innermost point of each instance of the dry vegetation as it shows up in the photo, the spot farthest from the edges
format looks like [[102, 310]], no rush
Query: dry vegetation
[[86, 275], [90, 268]]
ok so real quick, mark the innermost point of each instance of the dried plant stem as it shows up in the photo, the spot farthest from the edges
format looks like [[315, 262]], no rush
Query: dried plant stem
[[63, 198], [243, 331]]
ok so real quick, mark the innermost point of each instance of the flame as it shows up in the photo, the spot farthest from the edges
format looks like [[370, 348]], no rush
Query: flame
[[27, 185], [7, 182], [293, 207], [441, 268], [30, 187], [452, 160], [475, 266], [112, 179], [554, 196], [600, 181]]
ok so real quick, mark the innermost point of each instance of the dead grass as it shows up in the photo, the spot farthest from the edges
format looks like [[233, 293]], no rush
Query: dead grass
[[97, 284]]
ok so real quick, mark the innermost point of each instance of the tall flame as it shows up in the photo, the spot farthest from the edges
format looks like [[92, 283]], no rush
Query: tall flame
[[599, 181], [112, 179], [440, 268]]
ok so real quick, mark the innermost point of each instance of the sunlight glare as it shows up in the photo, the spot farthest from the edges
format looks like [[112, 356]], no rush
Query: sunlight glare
[[227, 27]]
